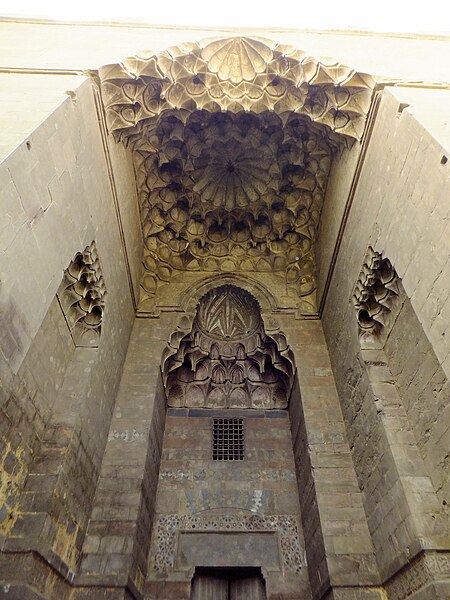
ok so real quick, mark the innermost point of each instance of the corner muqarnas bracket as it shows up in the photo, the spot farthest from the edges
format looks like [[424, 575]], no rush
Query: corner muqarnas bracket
[[375, 295], [82, 297]]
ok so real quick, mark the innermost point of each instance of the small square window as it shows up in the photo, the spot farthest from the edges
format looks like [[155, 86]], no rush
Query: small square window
[[228, 439]]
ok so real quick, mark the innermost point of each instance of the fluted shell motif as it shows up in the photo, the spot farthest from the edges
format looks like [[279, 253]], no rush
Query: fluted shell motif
[[235, 74], [228, 312], [236, 59]]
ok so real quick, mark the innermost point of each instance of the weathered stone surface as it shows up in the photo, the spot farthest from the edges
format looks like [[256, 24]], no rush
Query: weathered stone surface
[[382, 382], [236, 549]]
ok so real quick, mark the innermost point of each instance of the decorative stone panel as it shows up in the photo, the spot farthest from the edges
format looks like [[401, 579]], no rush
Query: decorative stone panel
[[82, 297], [167, 528], [429, 567], [229, 549], [375, 293]]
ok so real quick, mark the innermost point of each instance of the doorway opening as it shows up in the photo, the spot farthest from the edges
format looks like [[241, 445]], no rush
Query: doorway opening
[[237, 583]]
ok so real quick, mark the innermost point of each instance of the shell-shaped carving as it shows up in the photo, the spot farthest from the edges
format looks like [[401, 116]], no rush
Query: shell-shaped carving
[[236, 374], [228, 312], [219, 374], [238, 73], [237, 59]]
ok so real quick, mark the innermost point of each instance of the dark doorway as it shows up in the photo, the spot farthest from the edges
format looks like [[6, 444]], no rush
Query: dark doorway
[[228, 584]]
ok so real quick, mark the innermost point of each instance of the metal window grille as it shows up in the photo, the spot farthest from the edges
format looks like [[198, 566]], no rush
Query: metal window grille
[[228, 439]]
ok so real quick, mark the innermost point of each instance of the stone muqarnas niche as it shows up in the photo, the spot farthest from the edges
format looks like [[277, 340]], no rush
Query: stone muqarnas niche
[[375, 293]]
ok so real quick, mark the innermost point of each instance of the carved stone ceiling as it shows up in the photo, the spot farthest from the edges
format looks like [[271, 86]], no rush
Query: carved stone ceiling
[[232, 142]]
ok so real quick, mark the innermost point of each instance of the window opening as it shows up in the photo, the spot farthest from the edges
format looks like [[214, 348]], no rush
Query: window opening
[[228, 439]]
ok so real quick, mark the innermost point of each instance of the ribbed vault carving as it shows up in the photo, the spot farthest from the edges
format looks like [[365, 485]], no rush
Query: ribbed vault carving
[[227, 360], [232, 142]]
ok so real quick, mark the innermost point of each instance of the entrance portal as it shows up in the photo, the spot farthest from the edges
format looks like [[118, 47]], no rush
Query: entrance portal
[[228, 584]]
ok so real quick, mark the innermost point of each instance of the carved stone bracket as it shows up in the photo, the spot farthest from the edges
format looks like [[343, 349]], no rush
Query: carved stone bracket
[[82, 297], [375, 293]]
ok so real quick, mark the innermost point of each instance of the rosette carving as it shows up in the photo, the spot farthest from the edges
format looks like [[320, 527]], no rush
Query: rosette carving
[[230, 174]]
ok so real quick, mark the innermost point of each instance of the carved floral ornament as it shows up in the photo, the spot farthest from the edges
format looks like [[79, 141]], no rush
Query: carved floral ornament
[[226, 360], [232, 143], [167, 527]]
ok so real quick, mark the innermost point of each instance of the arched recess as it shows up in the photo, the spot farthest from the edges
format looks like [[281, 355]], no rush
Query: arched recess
[[398, 395], [226, 360], [265, 298], [223, 366]]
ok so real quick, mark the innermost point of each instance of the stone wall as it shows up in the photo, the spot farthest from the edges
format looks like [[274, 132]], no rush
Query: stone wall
[[116, 549], [338, 188], [27, 101], [57, 400], [339, 550], [27, 400], [338, 547], [394, 398], [81, 429], [256, 494], [424, 390]]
